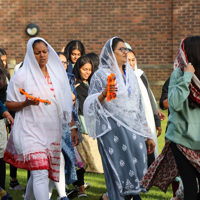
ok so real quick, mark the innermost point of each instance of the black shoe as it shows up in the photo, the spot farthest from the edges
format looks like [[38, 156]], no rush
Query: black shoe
[[71, 194]]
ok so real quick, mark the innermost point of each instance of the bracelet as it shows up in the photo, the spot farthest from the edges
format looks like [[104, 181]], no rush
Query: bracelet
[[103, 95], [72, 127]]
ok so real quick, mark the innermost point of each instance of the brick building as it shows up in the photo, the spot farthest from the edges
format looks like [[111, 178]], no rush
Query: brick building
[[154, 28]]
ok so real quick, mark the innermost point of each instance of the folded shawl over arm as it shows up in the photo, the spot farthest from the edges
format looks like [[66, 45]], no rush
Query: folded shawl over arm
[[149, 105]]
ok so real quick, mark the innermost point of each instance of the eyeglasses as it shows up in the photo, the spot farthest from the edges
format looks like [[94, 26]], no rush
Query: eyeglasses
[[64, 63], [124, 50]]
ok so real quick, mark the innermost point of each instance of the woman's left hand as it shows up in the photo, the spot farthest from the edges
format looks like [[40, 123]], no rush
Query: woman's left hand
[[159, 131], [74, 136], [8, 117], [161, 115], [150, 146]]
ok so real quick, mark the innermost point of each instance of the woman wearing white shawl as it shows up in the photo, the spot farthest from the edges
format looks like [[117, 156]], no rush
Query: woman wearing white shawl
[[120, 124], [35, 140], [150, 107]]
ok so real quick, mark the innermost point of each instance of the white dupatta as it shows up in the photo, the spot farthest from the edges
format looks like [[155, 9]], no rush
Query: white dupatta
[[36, 128], [147, 107], [127, 109]]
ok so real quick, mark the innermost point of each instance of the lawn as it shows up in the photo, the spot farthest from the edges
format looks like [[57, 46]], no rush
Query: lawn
[[97, 181]]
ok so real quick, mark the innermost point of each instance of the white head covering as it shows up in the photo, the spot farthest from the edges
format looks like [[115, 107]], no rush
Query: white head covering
[[40, 122], [126, 109], [146, 104], [139, 72], [128, 45]]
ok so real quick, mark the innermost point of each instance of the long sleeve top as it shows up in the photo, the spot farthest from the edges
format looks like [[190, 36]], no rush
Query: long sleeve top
[[164, 93], [183, 122], [153, 104]]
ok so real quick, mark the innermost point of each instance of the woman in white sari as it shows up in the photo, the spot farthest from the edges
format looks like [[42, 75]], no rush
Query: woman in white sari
[[35, 140], [149, 103], [120, 124]]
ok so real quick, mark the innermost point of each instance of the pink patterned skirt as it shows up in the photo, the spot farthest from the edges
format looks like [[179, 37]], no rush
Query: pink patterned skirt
[[164, 170]]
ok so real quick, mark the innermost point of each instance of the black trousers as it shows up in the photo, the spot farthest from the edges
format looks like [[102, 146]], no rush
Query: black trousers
[[80, 177], [188, 173], [13, 171], [2, 173]]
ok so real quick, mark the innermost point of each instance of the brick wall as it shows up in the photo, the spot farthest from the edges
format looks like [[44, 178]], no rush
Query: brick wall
[[186, 20], [154, 28]]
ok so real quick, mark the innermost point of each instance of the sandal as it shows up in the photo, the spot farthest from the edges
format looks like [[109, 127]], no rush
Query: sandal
[[82, 195]]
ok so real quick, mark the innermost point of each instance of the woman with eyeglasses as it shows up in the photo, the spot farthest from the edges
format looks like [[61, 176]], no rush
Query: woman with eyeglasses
[[73, 50], [119, 125]]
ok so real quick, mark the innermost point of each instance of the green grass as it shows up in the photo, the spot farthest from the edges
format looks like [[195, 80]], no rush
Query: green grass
[[97, 181]]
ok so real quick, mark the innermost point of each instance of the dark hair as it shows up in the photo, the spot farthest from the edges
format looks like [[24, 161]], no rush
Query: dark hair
[[5, 69], [73, 45], [38, 41], [3, 82], [95, 60], [192, 50], [1, 64], [130, 50], [79, 63], [115, 42], [61, 53], [2, 52]]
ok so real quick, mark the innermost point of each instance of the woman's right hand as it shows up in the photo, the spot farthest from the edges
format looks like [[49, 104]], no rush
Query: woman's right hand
[[17, 106], [112, 88], [33, 102], [103, 95]]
